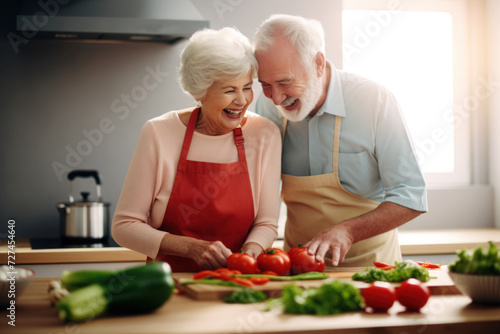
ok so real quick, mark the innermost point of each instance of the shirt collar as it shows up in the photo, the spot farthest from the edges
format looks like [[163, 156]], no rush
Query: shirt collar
[[334, 102]]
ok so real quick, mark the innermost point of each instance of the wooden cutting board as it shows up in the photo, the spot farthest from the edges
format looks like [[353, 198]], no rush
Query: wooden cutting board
[[440, 285]]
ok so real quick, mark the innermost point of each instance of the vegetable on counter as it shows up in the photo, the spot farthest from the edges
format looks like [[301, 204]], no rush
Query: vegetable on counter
[[401, 272], [135, 290], [332, 297], [213, 281], [274, 259], [56, 292], [242, 262], [425, 264], [379, 296], [303, 262], [245, 296], [227, 277], [412, 294], [300, 277], [477, 261]]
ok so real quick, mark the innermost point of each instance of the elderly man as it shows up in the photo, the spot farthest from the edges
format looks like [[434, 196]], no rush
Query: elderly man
[[349, 173]]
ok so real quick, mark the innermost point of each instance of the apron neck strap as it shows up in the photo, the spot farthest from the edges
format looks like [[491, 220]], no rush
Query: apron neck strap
[[239, 141], [336, 144], [238, 138], [188, 136]]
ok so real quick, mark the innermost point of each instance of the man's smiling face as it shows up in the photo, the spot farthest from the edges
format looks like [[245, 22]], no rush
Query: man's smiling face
[[286, 82]]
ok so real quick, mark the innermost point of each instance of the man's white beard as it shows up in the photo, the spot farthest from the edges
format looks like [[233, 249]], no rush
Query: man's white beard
[[308, 101]]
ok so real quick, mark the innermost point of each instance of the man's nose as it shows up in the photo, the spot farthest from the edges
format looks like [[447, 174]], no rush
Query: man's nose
[[277, 95]]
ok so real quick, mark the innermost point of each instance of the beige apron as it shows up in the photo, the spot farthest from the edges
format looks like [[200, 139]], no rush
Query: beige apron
[[319, 201]]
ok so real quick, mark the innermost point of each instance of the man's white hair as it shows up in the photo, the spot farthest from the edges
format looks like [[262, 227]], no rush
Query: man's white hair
[[305, 35]]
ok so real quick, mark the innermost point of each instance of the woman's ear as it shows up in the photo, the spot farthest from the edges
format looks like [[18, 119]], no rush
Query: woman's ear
[[320, 62]]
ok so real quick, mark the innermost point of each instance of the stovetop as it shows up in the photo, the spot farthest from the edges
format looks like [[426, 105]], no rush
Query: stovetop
[[53, 243]]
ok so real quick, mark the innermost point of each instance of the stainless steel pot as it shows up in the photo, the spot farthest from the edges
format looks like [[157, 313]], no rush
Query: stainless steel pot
[[84, 219]]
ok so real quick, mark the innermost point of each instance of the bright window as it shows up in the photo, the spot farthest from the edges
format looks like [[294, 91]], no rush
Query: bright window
[[419, 53]]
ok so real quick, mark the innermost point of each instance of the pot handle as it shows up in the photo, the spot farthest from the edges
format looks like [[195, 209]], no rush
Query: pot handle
[[84, 173]]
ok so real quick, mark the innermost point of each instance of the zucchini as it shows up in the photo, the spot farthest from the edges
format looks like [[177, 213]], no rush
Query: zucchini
[[137, 290]]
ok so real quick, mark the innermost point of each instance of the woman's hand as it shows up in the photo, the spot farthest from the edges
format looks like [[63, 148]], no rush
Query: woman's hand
[[209, 254], [252, 248]]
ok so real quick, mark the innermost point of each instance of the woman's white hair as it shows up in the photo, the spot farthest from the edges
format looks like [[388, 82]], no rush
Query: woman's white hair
[[215, 55], [305, 35]]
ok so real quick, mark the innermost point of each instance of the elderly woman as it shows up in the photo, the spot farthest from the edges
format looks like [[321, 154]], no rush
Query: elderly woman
[[203, 183]]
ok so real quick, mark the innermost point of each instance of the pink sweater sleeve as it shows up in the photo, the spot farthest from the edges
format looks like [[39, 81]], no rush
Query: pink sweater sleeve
[[148, 184], [131, 225]]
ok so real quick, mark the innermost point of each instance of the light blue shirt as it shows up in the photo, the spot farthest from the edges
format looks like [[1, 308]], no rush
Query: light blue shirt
[[376, 156]]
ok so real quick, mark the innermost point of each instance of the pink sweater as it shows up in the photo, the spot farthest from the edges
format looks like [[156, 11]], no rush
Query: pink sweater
[[148, 184]]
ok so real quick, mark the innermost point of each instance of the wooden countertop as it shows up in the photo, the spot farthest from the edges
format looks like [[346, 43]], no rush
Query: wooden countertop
[[25, 255], [454, 314], [413, 242]]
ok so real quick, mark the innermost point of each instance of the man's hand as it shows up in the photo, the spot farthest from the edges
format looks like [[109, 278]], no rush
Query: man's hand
[[334, 241]]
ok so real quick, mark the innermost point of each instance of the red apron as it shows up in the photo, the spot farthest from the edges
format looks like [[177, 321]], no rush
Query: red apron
[[209, 201]]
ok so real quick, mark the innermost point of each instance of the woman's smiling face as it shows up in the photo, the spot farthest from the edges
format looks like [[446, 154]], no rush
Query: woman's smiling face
[[225, 105]]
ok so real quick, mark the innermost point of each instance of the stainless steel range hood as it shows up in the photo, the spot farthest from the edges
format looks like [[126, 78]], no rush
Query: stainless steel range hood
[[106, 20]]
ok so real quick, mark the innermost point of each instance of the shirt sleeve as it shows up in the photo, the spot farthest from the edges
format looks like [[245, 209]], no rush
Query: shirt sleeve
[[401, 177], [130, 226], [265, 227]]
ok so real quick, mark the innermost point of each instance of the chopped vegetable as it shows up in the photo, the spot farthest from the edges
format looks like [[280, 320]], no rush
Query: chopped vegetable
[[384, 266], [332, 297], [401, 272], [221, 274], [213, 281], [428, 265], [259, 280], [136, 290], [245, 296], [305, 276], [477, 261]]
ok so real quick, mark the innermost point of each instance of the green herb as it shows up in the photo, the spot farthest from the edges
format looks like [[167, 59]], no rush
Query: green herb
[[246, 296], [305, 276], [403, 271], [332, 297], [477, 261]]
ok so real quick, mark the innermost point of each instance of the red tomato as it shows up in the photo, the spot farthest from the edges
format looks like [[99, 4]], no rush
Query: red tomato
[[244, 263], [380, 296], [413, 294], [274, 260], [292, 250], [303, 262]]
